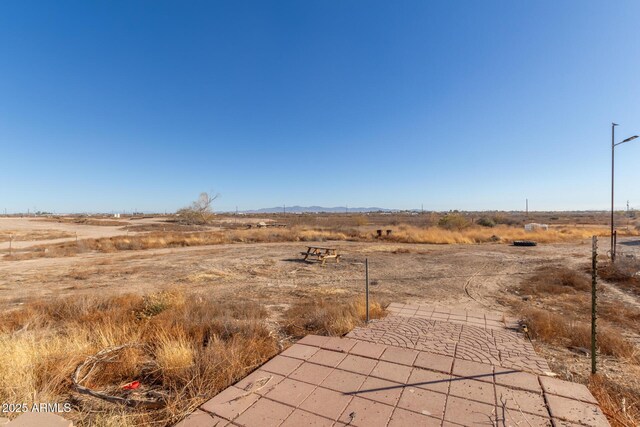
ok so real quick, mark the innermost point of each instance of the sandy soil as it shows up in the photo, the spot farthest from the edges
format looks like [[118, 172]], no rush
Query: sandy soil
[[28, 225], [469, 276], [29, 232], [464, 276]]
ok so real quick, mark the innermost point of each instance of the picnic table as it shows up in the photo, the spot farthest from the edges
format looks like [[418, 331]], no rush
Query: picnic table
[[322, 254]]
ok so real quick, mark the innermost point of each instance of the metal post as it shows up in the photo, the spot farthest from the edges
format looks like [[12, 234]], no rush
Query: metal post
[[366, 272], [613, 146], [594, 308]]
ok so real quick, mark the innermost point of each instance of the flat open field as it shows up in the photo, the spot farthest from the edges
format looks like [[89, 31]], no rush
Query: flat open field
[[461, 275], [465, 275], [231, 263]]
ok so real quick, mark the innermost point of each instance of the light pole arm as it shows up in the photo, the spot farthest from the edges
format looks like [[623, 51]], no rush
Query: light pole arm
[[613, 146]]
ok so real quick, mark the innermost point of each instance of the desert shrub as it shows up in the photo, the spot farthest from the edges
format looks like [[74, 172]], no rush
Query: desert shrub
[[361, 220], [454, 221], [504, 220], [556, 329], [186, 346], [623, 270], [555, 281], [486, 222], [199, 212], [625, 273], [326, 316], [619, 402]]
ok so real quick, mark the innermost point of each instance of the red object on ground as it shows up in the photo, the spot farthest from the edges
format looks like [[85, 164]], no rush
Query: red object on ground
[[132, 385]]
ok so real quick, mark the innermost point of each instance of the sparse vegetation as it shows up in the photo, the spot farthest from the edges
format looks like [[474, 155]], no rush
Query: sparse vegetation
[[486, 222], [557, 329], [200, 212], [26, 235], [557, 313], [454, 221], [625, 273], [188, 347], [401, 234], [180, 332], [327, 316]]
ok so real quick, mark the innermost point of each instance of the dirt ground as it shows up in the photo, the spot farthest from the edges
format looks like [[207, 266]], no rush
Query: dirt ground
[[463, 276], [466, 276]]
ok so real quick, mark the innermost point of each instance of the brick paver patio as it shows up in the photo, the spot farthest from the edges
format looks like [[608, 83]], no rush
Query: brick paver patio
[[420, 366]]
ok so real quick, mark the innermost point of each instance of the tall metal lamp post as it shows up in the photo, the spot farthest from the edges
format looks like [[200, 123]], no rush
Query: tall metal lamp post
[[613, 146]]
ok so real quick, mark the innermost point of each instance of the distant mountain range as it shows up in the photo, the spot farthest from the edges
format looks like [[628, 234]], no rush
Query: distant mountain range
[[314, 209]]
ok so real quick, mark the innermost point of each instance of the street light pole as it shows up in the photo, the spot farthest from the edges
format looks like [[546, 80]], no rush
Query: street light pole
[[613, 146]]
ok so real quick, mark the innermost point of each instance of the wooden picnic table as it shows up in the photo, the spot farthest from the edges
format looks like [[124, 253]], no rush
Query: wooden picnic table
[[322, 254]]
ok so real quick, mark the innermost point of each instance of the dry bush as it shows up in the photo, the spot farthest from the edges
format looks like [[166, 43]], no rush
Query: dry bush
[[574, 287], [625, 273], [499, 233], [189, 347], [556, 329], [401, 234], [361, 220], [561, 320], [619, 314], [454, 222], [329, 316], [200, 212], [620, 403], [486, 222], [556, 281]]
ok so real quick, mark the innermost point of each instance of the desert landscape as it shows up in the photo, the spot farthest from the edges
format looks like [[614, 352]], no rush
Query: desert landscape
[[73, 286], [356, 213]]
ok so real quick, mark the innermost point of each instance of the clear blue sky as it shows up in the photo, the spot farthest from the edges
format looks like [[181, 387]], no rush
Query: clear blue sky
[[120, 105]]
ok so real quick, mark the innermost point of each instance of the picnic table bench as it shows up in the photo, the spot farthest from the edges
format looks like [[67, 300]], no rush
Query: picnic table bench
[[322, 254]]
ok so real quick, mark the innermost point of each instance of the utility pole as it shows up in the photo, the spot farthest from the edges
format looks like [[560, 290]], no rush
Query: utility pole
[[422, 208], [527, 207], [613, 146]]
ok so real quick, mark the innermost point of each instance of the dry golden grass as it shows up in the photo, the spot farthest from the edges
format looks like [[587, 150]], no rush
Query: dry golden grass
[[501, 233], [564, 311], [558, 314], [185, 346], [625, 273], [556, 280], [556, 329], [188, 346], [620, 403], [329, 316], [401, 234]]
